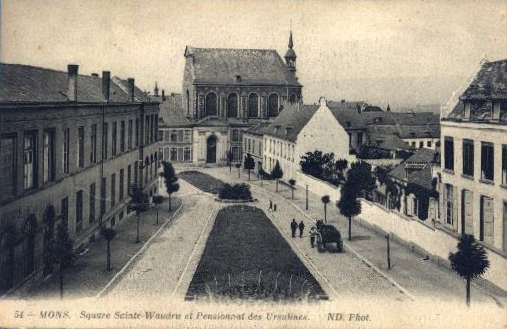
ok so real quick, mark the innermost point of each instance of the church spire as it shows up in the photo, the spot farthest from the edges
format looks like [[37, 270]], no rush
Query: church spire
[[290, 55], [155, 90]]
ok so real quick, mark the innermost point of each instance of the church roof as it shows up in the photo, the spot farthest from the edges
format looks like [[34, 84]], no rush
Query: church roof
[[490, 82], [239, 67]]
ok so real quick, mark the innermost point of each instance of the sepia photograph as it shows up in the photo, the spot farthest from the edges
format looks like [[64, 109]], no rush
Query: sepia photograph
[[253, 164]]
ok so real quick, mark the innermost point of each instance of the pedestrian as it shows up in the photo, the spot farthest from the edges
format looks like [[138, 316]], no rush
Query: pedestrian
[[270, 205], [293, 227], [301, 228], [274, 207], [313, 234]]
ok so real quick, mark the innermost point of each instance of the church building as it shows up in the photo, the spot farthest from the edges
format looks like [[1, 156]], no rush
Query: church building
[[225, 92]]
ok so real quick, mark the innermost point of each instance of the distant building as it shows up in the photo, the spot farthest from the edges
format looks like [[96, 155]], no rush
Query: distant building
[[227, 91], [474, 163], [253, 143], [70, 146]]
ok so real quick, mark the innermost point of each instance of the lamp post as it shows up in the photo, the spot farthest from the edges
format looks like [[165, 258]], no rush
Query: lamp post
[[388, 253], [306, 196]]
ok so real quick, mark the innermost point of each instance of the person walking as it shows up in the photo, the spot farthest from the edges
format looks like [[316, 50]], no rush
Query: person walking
[[270, 205], [301, 228], [313, 235], [274, 207], [293, 227]]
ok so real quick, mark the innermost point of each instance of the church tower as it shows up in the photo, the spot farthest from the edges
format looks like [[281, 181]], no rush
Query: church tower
[[155, 90], [290, 55]]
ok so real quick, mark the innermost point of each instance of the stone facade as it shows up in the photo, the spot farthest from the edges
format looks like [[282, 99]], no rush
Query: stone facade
[[70, 161]]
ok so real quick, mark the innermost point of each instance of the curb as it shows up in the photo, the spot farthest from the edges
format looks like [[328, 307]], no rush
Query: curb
[[110, 284], [359, 256]]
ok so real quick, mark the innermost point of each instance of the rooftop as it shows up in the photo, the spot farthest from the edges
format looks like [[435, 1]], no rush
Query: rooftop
[[290, 121], [31, 84], [239, 66]]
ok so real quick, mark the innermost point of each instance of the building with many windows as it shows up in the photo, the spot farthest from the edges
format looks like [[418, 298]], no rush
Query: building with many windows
[[70, 146], [474, 163], [227, 91]]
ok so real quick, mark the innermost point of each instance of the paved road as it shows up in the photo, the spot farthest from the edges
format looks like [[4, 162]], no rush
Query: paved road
[[418, 277], [165, 264]]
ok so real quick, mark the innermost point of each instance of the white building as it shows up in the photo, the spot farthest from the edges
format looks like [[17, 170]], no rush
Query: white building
[[474, 163], [306, 128]]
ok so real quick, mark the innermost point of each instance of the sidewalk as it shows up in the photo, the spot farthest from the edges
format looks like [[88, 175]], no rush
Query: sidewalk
[[418, 277], [88, 275]]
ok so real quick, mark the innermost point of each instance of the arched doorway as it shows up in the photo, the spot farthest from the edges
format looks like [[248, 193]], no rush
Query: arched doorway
[[211, 149], [49, 238], [29, 231]]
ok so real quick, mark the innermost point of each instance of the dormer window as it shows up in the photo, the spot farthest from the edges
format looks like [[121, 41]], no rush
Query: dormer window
[[238, 78]]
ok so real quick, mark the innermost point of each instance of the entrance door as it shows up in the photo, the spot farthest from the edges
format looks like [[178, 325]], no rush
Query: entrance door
[[211, 149]]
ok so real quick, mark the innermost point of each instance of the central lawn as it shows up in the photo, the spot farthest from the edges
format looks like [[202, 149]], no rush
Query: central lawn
[[202, 181], [246, 258]]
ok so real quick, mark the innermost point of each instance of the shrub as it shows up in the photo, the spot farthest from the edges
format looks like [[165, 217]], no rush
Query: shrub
[[235, 192]]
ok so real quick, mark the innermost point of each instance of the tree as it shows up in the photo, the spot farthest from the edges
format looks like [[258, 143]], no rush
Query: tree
[[340, 165], [157, 200], [170, 180], [108, 234], [348, 204], [229, 159], [313, 163], [292, 183], [470, 261], [361, 178], [249, 164], [63, 251], [325, 200], [139, 203], [238, 165], [277, 173]]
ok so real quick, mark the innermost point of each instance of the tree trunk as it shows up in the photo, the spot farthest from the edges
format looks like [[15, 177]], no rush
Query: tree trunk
[[350, 228], [239, 173], [277, 185], [292, 193], [157, 214], [325, 213], [230, 167], [138, 222], [468, 291], [248, 174], [61, 280], [108, 255], [170, 202]]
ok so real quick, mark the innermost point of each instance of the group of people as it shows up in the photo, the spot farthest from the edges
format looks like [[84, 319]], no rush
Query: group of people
[[313, 231], [294, 226]]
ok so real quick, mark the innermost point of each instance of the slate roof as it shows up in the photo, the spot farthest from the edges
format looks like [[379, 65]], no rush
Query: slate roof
[[405, 131], [172, 113], [384, 141], [417, 168], [401, 118], [490, 82], [294, 117], [252, 66], [259, 129], [348, 118], [30, 84]]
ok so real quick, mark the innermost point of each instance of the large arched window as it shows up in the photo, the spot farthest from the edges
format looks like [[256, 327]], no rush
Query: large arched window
[[211, 104], [273, 105], [188, 103], [253, 106], [232, 106]]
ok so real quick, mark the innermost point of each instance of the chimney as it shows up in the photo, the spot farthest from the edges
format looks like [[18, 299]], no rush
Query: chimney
[[130, 89], [72, 72], [106, 85], [163, 95]]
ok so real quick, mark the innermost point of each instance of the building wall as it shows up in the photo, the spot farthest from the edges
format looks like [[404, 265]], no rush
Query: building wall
[[497, 135], [16, 208], [324, 133], [176, 144], [253, 145], [283, 151]]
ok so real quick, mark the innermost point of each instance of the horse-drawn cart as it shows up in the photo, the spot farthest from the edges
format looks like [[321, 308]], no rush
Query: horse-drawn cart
[[328, 234]]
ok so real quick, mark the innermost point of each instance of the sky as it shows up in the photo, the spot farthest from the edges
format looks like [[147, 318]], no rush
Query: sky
[[399, 52]]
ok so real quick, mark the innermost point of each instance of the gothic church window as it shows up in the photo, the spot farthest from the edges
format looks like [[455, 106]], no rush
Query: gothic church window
[[273, 105], [211, 104], [253, 106]]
